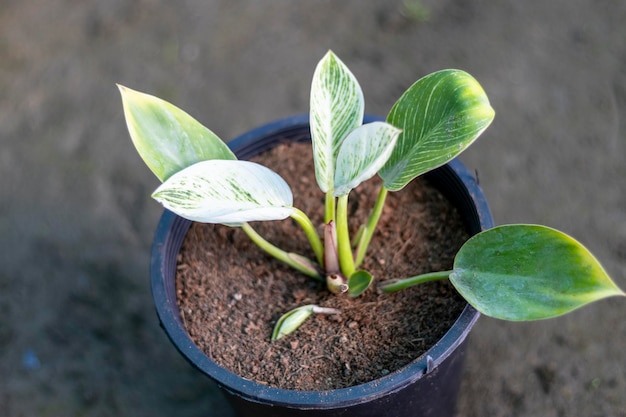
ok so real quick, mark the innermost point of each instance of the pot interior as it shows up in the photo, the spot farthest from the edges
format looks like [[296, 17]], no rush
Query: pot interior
[[453, 180]]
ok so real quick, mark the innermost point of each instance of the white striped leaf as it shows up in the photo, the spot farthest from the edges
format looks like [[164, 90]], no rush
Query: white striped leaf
[[167, 138], [226, 192], [362, 154], [337, 107], [440, 116]]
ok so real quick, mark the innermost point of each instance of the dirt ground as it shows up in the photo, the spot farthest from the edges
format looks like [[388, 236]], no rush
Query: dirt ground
[[78, 331]]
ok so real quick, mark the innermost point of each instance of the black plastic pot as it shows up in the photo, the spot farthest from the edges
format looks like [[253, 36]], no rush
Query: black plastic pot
[[428, 386]]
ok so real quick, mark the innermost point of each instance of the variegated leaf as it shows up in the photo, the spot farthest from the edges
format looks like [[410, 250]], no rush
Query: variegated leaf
[[362, 154], [167, 138], [227, 192], [290, 321], [440, 116], [337, 107]]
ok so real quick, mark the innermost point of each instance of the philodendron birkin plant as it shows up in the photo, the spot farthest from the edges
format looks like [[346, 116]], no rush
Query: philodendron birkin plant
[[512, 272]]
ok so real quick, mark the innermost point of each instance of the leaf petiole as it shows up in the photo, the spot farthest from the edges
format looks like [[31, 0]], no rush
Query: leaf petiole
[[329, 208], [370, 227], [344, 248], [401, 284], [311, 233], [297, 262]]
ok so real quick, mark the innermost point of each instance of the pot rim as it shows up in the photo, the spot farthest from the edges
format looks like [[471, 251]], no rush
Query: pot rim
[[172, 229]]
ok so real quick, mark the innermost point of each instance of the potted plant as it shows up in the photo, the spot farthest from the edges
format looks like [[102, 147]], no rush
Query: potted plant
[[512, 272]]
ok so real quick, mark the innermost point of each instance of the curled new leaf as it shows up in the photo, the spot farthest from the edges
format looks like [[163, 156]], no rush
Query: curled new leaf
[[528, 272], [227, 192], [167, 138]]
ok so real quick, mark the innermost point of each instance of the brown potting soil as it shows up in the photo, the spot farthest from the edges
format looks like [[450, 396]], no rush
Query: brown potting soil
[[231, 294]]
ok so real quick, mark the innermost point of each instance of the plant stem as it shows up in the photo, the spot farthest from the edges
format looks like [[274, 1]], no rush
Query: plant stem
[[401, 284], [344, 248], [370, 227], [331, 257], [311, 233], [329, 208], [296, 261]]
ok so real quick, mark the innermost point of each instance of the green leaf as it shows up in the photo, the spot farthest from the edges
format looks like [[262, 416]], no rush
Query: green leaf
[[293, 319], [337, 107], [364, 151], [167, 138], [528, 272], [440, 116], [227, 192], [358, 282]]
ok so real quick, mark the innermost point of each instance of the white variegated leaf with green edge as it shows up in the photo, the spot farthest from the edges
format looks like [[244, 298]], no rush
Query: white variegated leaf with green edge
[[528, 272], [362, 154], [227, 192], [337, 107], [167, 138], [440, 116]]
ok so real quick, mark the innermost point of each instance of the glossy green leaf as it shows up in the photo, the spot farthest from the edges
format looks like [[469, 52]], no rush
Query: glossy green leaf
[[167, 138], [290, 321], [528, 272], [440, 116], [337, 107], [358, 282], [227, 192], [364, 151]]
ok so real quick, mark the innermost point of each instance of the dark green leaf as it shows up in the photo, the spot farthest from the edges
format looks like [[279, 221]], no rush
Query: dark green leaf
[[358, 282], [528, 272]]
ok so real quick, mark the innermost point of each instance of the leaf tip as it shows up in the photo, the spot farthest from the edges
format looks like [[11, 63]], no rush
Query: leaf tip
[[124, 91]]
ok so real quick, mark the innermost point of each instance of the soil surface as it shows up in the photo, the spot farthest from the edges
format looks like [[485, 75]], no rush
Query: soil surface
[[78, 331], [230, 294]]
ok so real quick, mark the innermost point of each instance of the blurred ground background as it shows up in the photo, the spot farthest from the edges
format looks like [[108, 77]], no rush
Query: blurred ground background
[[78, 332]]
